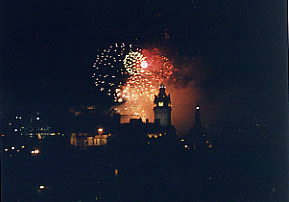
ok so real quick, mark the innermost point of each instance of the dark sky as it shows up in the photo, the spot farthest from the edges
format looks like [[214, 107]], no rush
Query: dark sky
[[49, 47]]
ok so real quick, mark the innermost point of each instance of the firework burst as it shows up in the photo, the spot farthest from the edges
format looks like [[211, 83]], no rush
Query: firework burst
[[132, 77]]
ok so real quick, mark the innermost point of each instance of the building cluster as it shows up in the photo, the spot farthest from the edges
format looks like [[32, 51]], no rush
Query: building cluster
[[88, 127], [139, 132]]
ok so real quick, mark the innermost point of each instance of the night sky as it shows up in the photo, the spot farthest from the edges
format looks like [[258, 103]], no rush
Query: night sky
[[49, 47]]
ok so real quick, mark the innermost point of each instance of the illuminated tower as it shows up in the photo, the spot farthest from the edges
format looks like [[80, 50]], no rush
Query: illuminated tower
[[162, 107], [198, 124]]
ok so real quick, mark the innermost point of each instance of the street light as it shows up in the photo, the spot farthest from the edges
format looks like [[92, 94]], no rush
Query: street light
[[100, 131]]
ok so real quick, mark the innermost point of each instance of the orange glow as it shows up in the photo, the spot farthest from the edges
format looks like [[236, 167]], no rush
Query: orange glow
[[116, 172], [77, 113], [100, 130]]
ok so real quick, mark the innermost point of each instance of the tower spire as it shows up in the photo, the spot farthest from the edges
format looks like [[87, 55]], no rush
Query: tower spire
[[197, 124]]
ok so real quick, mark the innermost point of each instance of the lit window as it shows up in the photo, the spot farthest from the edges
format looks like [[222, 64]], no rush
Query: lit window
[[182, 140], [161, 104], [41, 187], [186, 146], [12, 148], [197, 107]]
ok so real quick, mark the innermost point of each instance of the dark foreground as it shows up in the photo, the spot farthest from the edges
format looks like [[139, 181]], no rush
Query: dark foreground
[[135, 173]]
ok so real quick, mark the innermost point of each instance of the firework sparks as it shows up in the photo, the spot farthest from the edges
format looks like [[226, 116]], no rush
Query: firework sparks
[[131, 76]]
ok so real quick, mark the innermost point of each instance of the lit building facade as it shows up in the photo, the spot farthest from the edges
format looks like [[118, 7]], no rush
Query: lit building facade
[[87, 140]]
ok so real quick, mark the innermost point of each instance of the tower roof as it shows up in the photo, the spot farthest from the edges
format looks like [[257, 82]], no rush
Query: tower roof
[[162, 96]]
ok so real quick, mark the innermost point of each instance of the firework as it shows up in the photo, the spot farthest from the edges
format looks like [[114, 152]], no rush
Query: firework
[[131, 76], [109, 74]]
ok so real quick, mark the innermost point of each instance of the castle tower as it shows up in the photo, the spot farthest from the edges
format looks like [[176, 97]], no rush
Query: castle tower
[[162, 107]]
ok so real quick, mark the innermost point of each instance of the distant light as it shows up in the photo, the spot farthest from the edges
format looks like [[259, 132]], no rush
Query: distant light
[[52, 134], [20, 117], [18, 150], [186, 146], [182, 140], [41, 187], [197, 107], [100, 130], [32, 152], [22, 146], [116, 172], [16, 117], [12, 148], [3, 135], [36, 151], [37, 118], [6, 149], [15, 130], [9, 124]]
